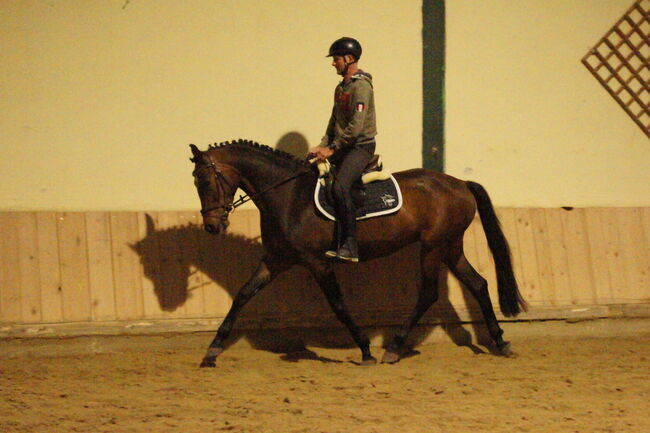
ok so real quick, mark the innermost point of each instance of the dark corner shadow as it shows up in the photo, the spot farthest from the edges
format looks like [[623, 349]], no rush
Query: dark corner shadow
[[171, 256], [295, 143]]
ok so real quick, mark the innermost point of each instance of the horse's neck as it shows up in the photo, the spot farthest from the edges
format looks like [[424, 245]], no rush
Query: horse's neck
[[260, 172]]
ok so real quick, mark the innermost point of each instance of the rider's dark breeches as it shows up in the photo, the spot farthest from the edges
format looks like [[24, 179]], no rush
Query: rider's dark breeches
[[350, 165]]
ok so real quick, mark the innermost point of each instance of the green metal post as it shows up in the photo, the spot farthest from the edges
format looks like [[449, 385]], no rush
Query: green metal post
[[433, 81]]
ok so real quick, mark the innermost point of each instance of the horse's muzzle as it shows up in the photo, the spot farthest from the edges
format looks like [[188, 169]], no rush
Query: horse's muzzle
[[216, 229]]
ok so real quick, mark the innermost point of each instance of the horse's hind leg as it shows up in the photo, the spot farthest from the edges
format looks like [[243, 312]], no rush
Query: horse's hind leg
[[260, 278], [478, 287], [428, 294], [326, 279]]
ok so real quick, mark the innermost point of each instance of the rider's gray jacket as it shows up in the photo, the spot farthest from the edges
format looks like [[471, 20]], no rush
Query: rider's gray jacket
[[353, 115]]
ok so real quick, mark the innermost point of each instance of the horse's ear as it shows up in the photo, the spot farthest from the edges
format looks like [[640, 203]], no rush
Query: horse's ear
[[195, 151], [151, 226]]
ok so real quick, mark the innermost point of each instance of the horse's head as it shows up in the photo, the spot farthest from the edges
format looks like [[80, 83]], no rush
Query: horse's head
[[216, 184]]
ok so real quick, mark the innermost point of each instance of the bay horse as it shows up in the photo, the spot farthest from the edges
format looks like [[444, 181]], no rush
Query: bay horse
[[436, 211]]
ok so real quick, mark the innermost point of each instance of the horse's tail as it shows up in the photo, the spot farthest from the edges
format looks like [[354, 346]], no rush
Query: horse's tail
[[510, 300]]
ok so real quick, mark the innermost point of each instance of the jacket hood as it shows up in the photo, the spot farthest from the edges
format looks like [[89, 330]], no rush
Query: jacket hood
[[363, 75]]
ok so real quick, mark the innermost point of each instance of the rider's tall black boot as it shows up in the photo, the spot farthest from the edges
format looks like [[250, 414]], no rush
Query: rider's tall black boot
[[348, 251]]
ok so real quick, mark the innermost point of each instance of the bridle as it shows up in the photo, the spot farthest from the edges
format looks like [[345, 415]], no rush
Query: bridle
[[218, 174], [229, 207]]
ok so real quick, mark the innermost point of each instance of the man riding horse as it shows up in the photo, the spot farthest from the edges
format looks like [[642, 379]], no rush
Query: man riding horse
[[437, 209], [349, 140]]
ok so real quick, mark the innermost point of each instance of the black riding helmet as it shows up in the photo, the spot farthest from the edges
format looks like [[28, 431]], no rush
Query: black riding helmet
[[344, 46]]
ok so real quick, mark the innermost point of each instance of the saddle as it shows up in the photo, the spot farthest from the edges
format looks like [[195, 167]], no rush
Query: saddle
[[376, 193], [374, 171]]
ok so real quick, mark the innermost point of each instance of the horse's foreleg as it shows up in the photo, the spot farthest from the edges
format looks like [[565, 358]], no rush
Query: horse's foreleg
[[427, 296], [330, 287], [261, 277]]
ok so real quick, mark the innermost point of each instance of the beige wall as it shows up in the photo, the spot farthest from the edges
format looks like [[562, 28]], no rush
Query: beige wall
[[526, 118], [99, 99]]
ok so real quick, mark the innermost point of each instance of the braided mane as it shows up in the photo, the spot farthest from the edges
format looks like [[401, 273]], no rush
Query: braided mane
[[248, 144]]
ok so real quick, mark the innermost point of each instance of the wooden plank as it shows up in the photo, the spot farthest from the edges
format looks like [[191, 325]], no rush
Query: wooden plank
[[281, 301], [271, 301], [558, 252], [615, 255], [10, 296], [543, 252], [530, 272], [73, 253], [578, 256], [215, 298], [100, 266], [49, 268], [238, 243], [28, 269], [148, 250], [598, 247], [173, 278], [126, 266], [190, 252], [645, 223], [455, 293], [228, 261], [637, 267]]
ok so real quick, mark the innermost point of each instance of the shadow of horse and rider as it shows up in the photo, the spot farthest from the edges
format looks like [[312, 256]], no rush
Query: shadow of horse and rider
[[379, 293]]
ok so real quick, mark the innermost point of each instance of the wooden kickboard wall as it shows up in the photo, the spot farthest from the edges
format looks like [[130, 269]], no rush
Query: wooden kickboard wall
[[94, 267]]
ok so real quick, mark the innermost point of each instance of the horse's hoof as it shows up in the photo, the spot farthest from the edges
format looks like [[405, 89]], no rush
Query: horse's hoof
[[390, 357], [208, 362], [505, 349], [369, 361]]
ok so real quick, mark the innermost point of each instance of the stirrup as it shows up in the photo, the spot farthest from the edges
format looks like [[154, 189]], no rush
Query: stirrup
[[346, 252], [344, 258], [350, 258]]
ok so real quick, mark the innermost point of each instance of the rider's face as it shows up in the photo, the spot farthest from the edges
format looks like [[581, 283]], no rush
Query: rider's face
[[339, 64]]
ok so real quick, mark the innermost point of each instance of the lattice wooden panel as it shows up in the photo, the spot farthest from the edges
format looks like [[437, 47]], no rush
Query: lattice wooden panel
[[620, 61]]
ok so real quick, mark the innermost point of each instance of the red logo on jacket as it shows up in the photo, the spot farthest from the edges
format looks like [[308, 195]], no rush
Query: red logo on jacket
[[343, 101]]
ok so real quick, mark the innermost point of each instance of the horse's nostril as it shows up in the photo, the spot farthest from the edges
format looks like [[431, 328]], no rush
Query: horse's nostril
[[210, 228]]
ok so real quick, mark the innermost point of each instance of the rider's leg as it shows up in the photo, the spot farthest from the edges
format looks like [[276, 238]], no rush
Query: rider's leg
[[349, 171]]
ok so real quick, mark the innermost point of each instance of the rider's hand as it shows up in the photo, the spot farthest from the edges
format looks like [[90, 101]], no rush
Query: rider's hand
[[321, 152]]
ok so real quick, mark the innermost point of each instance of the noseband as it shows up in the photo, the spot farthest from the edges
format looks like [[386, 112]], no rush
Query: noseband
[[218, 174]]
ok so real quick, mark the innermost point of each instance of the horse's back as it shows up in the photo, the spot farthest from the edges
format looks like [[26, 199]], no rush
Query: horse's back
[[434, 183], [438, 201]]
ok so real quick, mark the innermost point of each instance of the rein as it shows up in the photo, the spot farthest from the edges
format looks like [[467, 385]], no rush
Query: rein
[[242, 198]]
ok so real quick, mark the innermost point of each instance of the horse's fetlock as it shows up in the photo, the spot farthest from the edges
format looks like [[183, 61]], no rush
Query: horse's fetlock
[[497, 334], [397, 342]]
